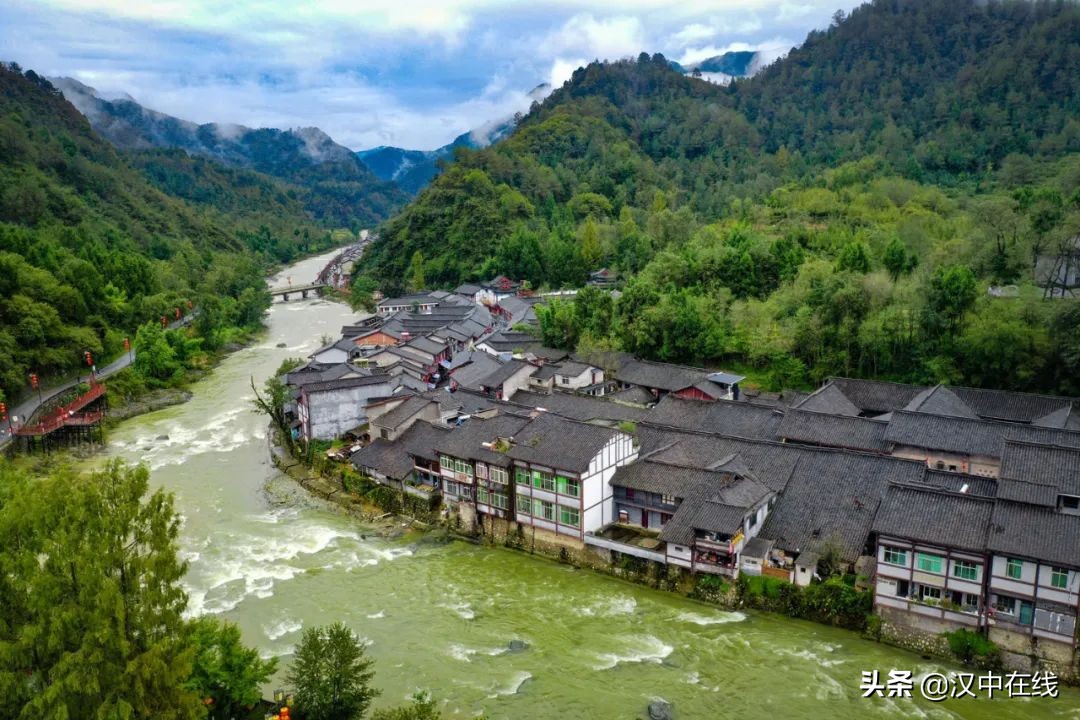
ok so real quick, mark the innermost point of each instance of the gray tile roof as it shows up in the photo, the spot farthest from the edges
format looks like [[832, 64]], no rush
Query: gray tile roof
[[660, 376], [560, 443], [757, 547], [1012, 406], [874, 397], [842, 431], [832, 497], [931, 516], [388, 458], [939, 400], [1047, 464], [831, 400], [633, 394], [394, 418], [966, 436], [348, 382], [467, 441], [772, 463], [503, 373], [1027, 492], [1035, 532], [479, 367], [580, 407], [394, 459], [1066, 417], [727, 417], [961, 483], [707, 516]]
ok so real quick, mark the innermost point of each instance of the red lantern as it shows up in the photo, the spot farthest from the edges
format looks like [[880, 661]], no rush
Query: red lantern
[[164, 321], [33, 381], [127, 344], [177, 313], [89, 359]]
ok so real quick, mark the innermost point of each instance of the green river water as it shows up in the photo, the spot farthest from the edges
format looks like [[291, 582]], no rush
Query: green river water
[[439, 617]]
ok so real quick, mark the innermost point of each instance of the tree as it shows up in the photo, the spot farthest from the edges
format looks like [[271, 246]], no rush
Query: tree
[[895, 258], [421, 708], [854, 258], [271, 401], [155, 359], [332, 674], [361, 295], [91, 622], [951, 293], [417, 282], [225, 671]]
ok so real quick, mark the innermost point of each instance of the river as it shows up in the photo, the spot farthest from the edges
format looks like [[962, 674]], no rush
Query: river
[[439, 617]]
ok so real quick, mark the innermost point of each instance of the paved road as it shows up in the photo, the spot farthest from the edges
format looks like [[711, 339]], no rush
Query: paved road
[[24, 410]]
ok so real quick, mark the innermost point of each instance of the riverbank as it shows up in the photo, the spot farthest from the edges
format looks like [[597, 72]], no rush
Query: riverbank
[[835, 603]]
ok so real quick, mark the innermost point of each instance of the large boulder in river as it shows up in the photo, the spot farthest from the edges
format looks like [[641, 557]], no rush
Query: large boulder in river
[[518, 645], [660, 710]]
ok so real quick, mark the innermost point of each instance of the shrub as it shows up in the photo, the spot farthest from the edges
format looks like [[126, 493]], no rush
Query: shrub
[[973, 649]]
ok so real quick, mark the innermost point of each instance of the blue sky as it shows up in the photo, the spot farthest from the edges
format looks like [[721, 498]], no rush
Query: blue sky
[[411, 73]]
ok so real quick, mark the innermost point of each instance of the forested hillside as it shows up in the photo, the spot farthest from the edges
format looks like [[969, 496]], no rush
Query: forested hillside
[[89, 250], [843, 212], [328, 179]]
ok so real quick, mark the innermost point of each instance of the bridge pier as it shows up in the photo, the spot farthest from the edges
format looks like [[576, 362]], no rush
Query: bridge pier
[[284, 297]]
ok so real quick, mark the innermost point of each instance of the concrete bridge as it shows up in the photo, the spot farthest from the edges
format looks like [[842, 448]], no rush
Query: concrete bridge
[[301, 290]]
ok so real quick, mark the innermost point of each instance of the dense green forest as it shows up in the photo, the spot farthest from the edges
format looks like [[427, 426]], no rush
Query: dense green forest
[[90, 250], [843, 212]]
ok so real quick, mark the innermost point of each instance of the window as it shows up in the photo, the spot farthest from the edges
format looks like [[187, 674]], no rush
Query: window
[[667, 499], [965, 570], [481, 470], [564, 380], [544, 509], [1005, 604], [928, 563], [446, 462], [569, 516], [524, 504], [928, 592], [495, 499], [1014, 568], [1068, 502], [952, 468], [543, 480], [463, 467], [522, 476], [568, 486], [939, 465], [894, 556], [903, 588], [1059, 578], [499, 475]]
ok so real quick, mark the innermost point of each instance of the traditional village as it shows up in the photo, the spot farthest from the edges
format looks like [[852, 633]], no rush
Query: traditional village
[[959, 507]]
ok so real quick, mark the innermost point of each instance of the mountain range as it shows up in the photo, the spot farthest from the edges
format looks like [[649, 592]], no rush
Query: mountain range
[[338, 187], [412, 170], [722, 68]]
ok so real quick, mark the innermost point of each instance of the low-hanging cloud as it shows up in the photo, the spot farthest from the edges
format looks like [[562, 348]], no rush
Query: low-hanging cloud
[[372, 72]]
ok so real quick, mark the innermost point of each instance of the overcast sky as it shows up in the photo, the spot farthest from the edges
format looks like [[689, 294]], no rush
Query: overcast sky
[[411, 73]]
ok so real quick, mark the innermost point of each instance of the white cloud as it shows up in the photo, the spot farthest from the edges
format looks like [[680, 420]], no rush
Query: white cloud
[[693, 33], [605, 39], [562, 69], [413, 73]]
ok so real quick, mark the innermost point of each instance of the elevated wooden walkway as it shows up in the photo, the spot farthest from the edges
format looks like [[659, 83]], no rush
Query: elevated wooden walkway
[[69, 415]]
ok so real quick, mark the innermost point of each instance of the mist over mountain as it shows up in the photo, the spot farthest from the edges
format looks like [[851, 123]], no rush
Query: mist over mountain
[[413, 170], [341, 189]]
